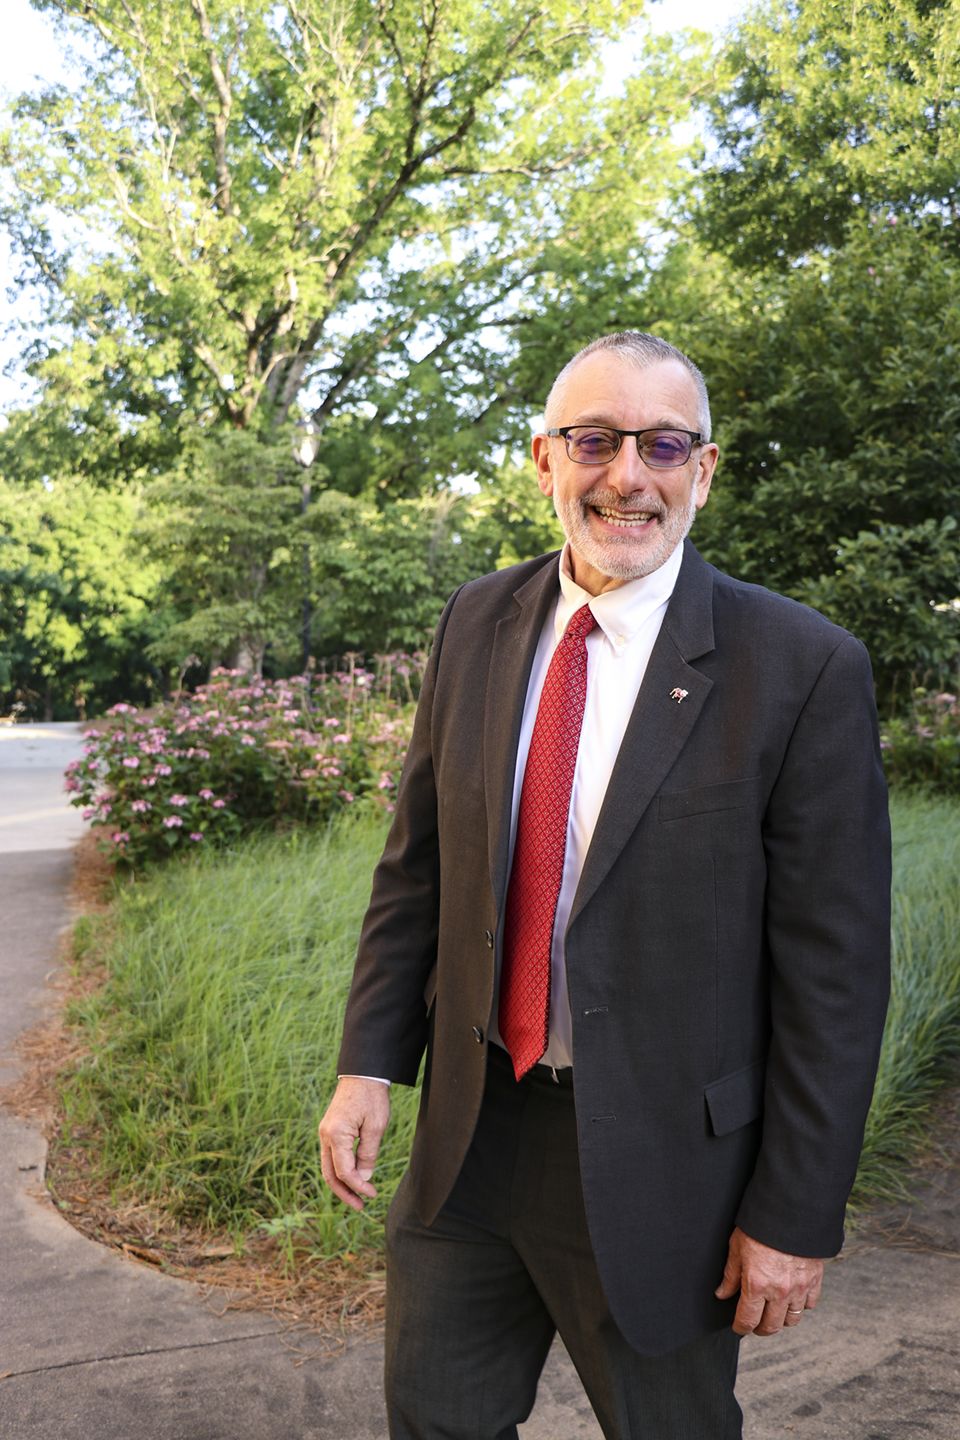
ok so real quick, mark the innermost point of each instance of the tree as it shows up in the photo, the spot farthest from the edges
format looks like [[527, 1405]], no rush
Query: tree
[[227, 529], [830, 207], [78, 605], [330, 205], [393, 569], [826, 111]]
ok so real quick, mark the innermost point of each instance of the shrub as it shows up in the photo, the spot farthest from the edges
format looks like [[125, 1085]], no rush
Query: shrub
[[922, 746], [242, 752]]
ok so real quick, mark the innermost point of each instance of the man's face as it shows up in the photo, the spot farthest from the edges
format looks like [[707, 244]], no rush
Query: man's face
[[622, 518]]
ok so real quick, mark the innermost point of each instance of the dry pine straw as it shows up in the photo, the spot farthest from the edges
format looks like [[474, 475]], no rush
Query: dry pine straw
[[325, 1298]]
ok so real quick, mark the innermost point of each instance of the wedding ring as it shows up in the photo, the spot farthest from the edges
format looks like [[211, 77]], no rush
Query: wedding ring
[[795, 1312]]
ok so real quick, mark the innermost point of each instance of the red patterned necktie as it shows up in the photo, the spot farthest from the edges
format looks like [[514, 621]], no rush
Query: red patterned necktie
[[540, 847]]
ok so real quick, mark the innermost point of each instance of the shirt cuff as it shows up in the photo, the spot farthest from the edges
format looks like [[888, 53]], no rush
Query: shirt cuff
[[379, 1078]]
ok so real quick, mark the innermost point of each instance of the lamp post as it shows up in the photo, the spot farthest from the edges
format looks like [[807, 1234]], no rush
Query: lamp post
[[306, 445]]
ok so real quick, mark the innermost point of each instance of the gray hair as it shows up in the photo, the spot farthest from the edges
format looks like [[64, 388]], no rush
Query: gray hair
[[643, 350]]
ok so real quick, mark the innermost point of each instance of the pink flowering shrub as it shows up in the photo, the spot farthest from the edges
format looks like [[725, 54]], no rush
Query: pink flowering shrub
[[241, 752], [922, 747]]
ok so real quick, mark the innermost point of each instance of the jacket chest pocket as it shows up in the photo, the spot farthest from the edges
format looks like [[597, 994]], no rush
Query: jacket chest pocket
[[706, 799]]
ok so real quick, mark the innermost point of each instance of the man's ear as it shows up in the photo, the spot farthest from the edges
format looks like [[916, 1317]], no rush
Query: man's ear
[[541, 458], [706, 465]]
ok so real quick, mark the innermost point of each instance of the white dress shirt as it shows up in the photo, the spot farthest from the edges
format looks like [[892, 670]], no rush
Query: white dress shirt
[[618, 651]]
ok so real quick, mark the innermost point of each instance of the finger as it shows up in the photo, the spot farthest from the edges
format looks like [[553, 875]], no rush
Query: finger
[[339, 1188], [748, 1315], [813, 1293], [794, 1313], [730, 1283], [366, 1156], [772, 1319], [344, 1162]]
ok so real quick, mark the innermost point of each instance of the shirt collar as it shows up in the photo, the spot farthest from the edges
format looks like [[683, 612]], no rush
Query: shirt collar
[[621, 613]]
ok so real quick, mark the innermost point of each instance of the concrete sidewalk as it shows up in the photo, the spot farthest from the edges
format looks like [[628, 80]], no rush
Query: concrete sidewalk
[[92, 1345]]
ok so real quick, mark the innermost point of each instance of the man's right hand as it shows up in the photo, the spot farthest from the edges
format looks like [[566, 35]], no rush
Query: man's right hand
[[350, 1135]]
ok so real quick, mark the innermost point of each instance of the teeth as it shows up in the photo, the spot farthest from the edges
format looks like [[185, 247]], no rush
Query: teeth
[[625, 518]]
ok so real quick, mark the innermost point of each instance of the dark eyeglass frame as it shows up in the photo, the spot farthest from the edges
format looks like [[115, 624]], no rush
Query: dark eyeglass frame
[[693, 436]]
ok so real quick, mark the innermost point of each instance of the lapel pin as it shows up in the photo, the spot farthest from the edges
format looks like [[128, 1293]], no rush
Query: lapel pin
[[678, 694]]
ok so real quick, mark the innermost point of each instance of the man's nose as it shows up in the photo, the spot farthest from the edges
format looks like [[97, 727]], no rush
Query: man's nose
[[627, 472]]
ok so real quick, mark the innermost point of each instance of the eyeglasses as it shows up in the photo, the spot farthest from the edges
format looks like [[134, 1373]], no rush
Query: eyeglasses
[[598, 444]]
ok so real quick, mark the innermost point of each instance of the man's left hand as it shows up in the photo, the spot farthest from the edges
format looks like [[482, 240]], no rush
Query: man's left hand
[[775, 1288]]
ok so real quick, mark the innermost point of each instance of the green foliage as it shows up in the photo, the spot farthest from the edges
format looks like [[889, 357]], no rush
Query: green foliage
[[227, 529], [247, 213], [242, 753], [214, 1043], [76, 600], [923, 1024], [213, 1046], [303, 203], [838, 405], [394, 568], [824, 112], [922, 745]]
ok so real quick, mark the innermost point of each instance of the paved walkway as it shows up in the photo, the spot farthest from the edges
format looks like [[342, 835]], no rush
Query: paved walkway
[[92, 1345]]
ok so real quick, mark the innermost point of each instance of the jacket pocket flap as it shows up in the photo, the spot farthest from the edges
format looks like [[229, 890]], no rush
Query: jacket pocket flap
[[675, 804], [736, 1099]]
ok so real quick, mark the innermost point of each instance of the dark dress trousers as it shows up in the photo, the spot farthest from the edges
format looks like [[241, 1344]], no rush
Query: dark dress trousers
[[727, 952]]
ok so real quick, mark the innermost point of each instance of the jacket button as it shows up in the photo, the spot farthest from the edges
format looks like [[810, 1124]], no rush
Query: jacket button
[[478, 1034], [488, 936]]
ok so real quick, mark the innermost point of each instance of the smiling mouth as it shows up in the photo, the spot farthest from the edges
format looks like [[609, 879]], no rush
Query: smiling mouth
[[626, 519]]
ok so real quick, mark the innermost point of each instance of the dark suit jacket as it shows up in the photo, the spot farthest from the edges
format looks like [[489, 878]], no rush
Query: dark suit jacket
[[727, 952]]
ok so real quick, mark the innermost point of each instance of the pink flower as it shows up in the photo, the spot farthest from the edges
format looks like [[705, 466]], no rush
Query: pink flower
[[346, 795], [162, 770], [119, 837], [196, 835], [89, 813], [179, 799], [219, 804], [247, 740], [342, 739], [140, 806], [173, 821], [131, 762], [206, 794]]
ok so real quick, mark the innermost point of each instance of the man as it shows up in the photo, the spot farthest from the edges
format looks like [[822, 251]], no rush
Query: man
[[635, 906]]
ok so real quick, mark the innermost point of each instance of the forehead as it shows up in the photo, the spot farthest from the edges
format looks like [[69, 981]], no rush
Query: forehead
[[612, 387]]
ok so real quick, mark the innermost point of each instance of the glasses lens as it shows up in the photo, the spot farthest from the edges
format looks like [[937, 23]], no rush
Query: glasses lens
[[665, 448], [592, 445]]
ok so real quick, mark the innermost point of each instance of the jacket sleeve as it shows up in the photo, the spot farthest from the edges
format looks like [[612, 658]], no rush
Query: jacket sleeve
[[827, 844], [385, 1026]]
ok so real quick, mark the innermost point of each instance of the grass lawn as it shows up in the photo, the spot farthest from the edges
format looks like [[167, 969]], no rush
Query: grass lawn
[[212, 1047]]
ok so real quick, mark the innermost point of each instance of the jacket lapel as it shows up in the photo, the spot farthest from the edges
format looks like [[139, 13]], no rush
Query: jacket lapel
[[659, 725], [511, 660]]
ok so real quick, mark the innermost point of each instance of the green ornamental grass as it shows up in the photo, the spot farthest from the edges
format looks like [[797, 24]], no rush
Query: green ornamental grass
[[213, 1045]]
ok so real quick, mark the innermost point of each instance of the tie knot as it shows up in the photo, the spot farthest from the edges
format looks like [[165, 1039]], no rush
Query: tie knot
[[581, 623]]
